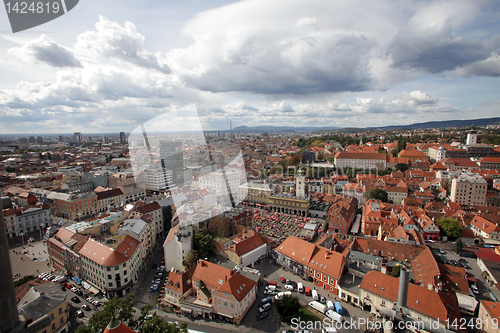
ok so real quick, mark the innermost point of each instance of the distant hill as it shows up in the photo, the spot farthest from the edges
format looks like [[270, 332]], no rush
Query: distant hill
[[280, 129], [447, 123], [429, 124]]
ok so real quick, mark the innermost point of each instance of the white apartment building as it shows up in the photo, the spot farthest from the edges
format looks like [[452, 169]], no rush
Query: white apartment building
[[469, 189], [360, 160], [157, 179], [27, 219], [215, 182], [178, 244], [112, 269]]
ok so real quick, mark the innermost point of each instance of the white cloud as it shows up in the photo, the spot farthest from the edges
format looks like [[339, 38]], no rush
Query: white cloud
[[124, 43], [45, 50]]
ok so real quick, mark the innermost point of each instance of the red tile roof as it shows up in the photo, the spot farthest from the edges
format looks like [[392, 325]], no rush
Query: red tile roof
[[106, 256], [420, 299]]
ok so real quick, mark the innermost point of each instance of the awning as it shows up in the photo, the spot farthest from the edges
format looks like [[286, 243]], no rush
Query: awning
[[77, 280], [183, 309], [93, 290]]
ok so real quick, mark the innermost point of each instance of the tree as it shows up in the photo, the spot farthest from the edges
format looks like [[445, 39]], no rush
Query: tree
[[203, 242], [450, 227], [219, 225], [401, 167], [377, 194], [325, 226], [191, 259], [287, 307], [459, 246], [159, 325], [294, 160], [396, 271], [123, 310]]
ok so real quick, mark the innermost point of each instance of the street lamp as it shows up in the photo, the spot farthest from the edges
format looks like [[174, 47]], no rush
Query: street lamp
[[22, 237], [41, 231]]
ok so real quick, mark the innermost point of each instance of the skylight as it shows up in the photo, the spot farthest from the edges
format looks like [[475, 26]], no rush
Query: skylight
[[220, 281]]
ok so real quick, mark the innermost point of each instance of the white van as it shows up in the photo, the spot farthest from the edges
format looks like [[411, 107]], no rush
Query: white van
[[271, 287], [334, 316], [300, 287], [281, 294], [314, 294], [330, 305]]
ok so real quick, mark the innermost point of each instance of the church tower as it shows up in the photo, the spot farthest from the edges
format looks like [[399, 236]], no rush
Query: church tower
[[472, 137], [300, 185]]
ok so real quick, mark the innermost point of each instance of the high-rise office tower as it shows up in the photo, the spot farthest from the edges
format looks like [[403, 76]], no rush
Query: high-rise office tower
[[171, 158]]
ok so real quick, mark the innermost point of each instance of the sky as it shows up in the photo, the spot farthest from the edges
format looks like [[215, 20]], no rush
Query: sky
[[110, 66]]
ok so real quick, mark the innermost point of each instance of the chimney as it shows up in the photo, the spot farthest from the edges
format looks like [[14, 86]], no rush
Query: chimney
[[403, 288]]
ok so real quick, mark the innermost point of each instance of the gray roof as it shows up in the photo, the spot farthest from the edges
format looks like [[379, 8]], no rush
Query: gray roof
[[135, 226], [41, 305], [364, 257]]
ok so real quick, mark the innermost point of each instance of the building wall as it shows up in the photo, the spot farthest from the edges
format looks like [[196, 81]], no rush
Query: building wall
[[488, 325], [468, 192], [249, 259], [59, 319], [104, 278]]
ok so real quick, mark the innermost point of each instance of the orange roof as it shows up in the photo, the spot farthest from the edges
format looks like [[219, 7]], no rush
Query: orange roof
[[313, 256], [238, 285], [484, 225], [493, 308], [211, 274], [106, 256], [420, 299], [490, 160], [425, 268], [247, 245]]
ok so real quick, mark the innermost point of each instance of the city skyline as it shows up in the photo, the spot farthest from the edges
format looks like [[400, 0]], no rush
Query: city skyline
[[109, 67]]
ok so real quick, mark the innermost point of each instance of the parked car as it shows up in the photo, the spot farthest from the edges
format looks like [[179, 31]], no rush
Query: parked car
[[263, 315], [88, 299], [73, 289], [322, 300], [75, 299], [283, 280], [86, 307], [269, 292], [80, 313], [265, 307], [442, 251], [288, 287], [474, 289]]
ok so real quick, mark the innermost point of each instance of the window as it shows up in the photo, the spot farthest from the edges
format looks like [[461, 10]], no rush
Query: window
[[60, 310], [382, 302], [125, 272], [61, 320], [109, 269], [124, 264], [110, 284], [51, 316], [225, 304], [232, 306], [117, 267], [53, 326], [368, 295], [109, 276]]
